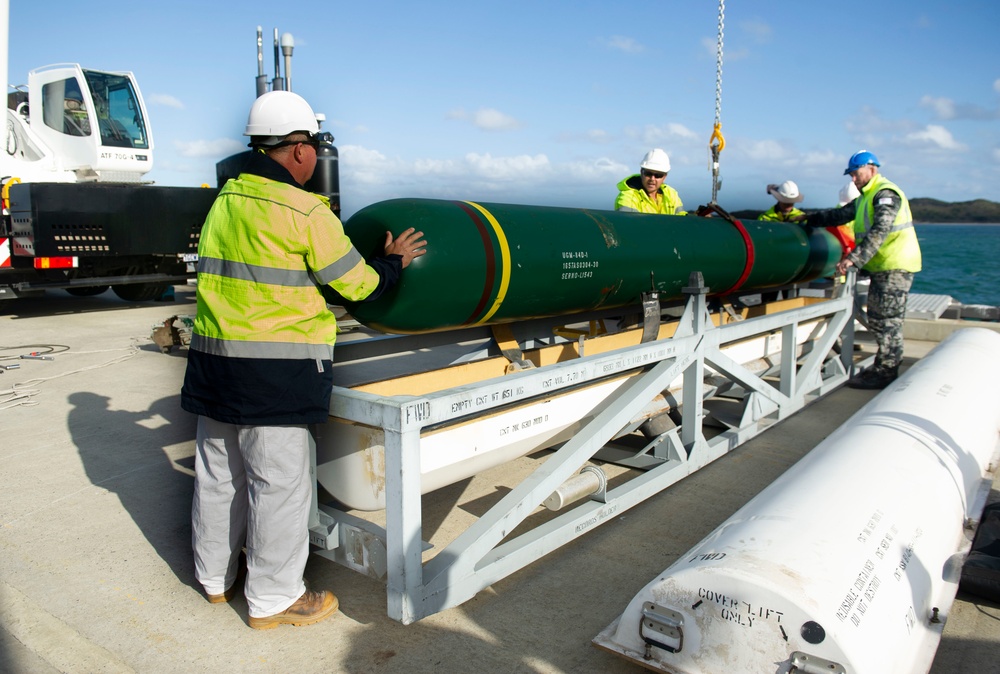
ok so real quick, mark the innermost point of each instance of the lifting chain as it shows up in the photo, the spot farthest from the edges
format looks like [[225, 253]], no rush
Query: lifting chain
[[716, 143]]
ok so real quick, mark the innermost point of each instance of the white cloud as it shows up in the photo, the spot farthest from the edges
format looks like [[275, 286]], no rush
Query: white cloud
[[448, 168], [943, 108], [473, 175], [652, 134], [370, 166], [599, 136], [342, 124], [680, 130], [214, 149], [869, 129], [822, 159], [166, 100], [507, 168], [758, 30], [872, 131], [996, 85], [487, 119], [625, 44], [996, 153], [870, 122], [934, 135], [600, 170], [768, 152], [711, 46]]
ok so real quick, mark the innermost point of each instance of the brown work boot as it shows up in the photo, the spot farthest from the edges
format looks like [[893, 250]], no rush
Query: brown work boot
[[310, 608], [224, 597]]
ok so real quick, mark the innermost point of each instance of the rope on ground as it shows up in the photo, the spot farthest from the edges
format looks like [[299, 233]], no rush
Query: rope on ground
[[12, 398], [21, 394]]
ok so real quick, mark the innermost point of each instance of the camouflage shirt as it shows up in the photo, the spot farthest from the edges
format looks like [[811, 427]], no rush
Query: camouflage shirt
[[886, 206]]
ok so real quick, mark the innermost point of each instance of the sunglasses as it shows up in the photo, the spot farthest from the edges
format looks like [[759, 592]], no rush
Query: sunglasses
[[315, 141], [653, 174]]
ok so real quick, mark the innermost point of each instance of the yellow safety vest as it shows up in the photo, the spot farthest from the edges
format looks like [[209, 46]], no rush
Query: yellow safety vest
[[900, 250], [772, 214], [636, 199], [264, 248]]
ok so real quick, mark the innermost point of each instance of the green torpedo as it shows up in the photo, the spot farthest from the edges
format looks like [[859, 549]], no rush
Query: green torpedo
[[492, 263]]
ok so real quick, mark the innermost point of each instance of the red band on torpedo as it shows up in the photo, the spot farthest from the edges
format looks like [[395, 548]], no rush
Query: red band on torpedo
[[490, 255], [704, 212], [748, 242]]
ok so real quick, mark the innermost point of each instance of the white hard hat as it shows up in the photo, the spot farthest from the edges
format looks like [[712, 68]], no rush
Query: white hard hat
[[848, 193], [279, 113], [787, 192], [656, 160]]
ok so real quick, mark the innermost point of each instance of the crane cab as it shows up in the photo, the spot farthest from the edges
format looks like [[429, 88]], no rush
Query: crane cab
[[77, 125]]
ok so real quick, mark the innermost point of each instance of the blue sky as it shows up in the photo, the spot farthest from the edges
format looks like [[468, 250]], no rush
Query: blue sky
[[552, 103]]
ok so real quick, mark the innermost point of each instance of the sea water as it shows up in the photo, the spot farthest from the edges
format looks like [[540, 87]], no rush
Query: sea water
[[960, 260]]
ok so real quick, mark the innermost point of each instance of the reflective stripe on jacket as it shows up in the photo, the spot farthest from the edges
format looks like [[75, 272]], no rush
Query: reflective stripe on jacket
[[631, 197], [900, 250]]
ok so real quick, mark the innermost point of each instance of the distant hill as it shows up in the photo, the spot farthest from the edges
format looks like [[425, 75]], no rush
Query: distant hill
[[932, 210]]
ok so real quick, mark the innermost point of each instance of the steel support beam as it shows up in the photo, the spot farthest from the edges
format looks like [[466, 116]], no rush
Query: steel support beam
[[484, 553]]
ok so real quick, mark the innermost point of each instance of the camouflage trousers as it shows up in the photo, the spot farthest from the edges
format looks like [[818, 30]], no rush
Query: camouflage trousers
[[886, 310]]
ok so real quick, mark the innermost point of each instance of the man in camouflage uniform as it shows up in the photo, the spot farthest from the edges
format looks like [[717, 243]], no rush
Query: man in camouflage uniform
[[887, 251]]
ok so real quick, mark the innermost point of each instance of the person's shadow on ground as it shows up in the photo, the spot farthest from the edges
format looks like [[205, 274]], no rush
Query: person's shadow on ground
[[126, 453]]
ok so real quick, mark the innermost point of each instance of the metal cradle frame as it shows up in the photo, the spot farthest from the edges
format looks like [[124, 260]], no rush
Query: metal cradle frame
[[484, 553]]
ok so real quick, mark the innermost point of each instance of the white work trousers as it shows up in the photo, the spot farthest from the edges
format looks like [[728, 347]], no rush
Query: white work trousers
[[252, 486]]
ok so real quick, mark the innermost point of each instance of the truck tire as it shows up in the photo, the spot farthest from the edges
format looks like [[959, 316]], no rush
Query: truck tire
[[140, 292], [86, 291]]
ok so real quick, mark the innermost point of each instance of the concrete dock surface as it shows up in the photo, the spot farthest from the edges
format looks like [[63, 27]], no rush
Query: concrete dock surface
[[96, 573]]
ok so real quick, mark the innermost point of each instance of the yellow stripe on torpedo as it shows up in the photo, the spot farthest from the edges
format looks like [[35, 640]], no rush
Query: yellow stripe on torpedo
[[504, 262]]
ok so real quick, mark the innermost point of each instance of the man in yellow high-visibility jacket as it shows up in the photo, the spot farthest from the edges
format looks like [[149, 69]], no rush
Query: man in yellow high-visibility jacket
[[646, 191], [887, 251], [787, 195], [259, 369]]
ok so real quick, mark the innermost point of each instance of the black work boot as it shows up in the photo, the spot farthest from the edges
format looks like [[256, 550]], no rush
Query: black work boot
[[874, 378]]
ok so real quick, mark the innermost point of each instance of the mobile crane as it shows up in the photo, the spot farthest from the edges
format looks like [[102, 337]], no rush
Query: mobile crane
[[75, 212]]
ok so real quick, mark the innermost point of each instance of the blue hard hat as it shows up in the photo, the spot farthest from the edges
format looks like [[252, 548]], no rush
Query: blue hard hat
[[859, 159]]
